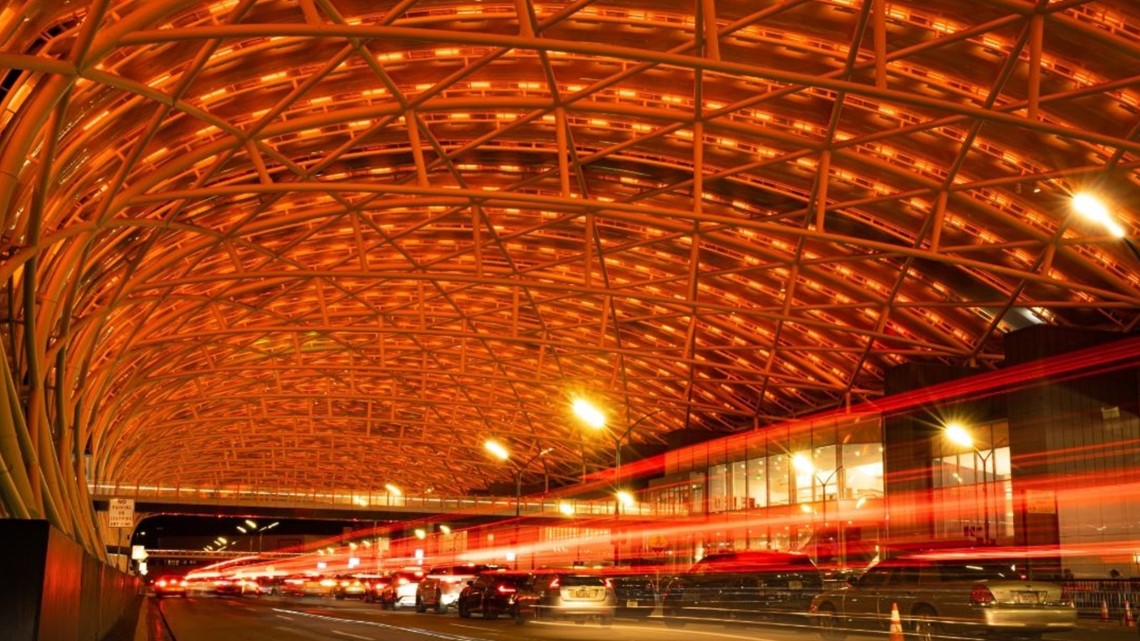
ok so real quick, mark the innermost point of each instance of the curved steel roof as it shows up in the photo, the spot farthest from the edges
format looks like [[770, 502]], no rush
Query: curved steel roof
[[333, 243]]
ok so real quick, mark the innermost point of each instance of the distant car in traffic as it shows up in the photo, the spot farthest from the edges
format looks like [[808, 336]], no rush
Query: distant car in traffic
[[400, 592], [349, 587], [636, 590], [441, 585], [169, 586], [566, 595], [934, 596], [742, 585], [235, 587], [374, 585], [491, 594]]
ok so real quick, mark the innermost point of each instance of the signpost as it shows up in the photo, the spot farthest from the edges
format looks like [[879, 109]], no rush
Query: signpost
[[121, 513]]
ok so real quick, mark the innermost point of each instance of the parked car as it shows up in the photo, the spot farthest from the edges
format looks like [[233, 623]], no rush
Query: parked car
[[169, 586], [348, 587], [566, 595], [491, 594], [401, 589], [971, 596], [441, 585], [742, 585]]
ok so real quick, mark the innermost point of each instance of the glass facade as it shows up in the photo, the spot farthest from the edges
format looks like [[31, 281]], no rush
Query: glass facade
[[816, 489]]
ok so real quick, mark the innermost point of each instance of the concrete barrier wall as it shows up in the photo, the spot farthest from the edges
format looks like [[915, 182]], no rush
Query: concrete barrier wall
[[53, 591]]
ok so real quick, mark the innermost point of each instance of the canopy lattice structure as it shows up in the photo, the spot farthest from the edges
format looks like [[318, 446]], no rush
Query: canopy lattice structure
[[336, 243]]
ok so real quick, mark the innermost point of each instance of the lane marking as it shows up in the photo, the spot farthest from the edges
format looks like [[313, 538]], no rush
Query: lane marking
[[282, 616], [349, 634], [475, 627], [384, 626]]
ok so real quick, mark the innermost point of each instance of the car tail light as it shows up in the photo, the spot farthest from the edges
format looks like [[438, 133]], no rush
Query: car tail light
[[401, 581], [981, 595], [162, 584], [344, 584], [609, 584], [555, 583], [506, 589]]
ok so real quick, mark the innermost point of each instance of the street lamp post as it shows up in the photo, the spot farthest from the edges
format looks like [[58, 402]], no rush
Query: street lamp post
[[959, 435], [500, 452], [594, 417], [804, 464]]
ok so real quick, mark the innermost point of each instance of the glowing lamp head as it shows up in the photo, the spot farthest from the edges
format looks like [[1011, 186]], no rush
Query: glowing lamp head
[[803, 464], [959, 435], [392, 489], [497, 450], [1094, 209], [625, 498], [589, 413]]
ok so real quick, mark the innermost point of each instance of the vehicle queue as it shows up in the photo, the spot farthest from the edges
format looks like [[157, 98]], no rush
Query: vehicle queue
[[928, 594]]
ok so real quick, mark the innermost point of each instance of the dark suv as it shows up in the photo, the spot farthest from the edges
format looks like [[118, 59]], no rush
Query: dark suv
[[742, 585], [491, 594]]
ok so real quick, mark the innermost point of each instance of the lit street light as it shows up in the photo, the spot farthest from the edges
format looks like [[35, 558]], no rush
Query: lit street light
[[959, 435], [503, 454], [806, 466], [594, 417]]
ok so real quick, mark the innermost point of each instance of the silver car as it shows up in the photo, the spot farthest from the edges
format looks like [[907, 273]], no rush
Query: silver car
[[935, 596]]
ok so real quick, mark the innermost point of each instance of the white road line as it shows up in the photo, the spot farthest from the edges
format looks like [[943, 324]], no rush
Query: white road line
[[282, 616], [349, 634], [475, 627]]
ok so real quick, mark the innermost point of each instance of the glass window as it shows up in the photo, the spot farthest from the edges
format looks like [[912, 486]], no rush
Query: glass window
[[778, 482], [862, 471], [738, 490], [758, 482], [718, 495]]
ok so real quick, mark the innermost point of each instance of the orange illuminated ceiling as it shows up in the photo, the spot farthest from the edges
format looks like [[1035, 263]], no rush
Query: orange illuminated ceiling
[[338, 243]]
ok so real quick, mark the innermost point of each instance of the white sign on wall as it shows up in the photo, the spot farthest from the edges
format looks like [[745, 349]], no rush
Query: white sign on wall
[[121, 513]]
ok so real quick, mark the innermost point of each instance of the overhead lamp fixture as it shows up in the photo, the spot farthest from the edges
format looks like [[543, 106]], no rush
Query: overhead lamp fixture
[[496, 449], [1094, 209], [589, 413], [392, 489], [958, 434], [241, 529], [252, 524]]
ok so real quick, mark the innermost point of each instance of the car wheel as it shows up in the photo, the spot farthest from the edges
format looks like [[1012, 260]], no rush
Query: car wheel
[[420, 607], [440, 608], [464, 611], [489, 614], [829, 629], [924, 625]]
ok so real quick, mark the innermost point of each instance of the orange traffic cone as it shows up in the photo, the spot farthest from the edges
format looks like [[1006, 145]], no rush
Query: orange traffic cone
[[1103, 610], [1128, 620], [896, 624]]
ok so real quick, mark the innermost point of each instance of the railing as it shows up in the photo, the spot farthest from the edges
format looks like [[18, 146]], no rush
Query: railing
[[365, 501], [1093, 596]]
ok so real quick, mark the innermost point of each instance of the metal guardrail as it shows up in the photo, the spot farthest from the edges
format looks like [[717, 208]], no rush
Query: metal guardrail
[[365, 501], [1092, 596]]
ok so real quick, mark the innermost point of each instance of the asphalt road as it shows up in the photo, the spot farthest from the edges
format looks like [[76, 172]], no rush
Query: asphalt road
[[208, 618]]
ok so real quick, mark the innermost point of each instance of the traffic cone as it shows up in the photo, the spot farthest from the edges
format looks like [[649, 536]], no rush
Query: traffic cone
[[896, 624], [1103, 610], [1128, 620]]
